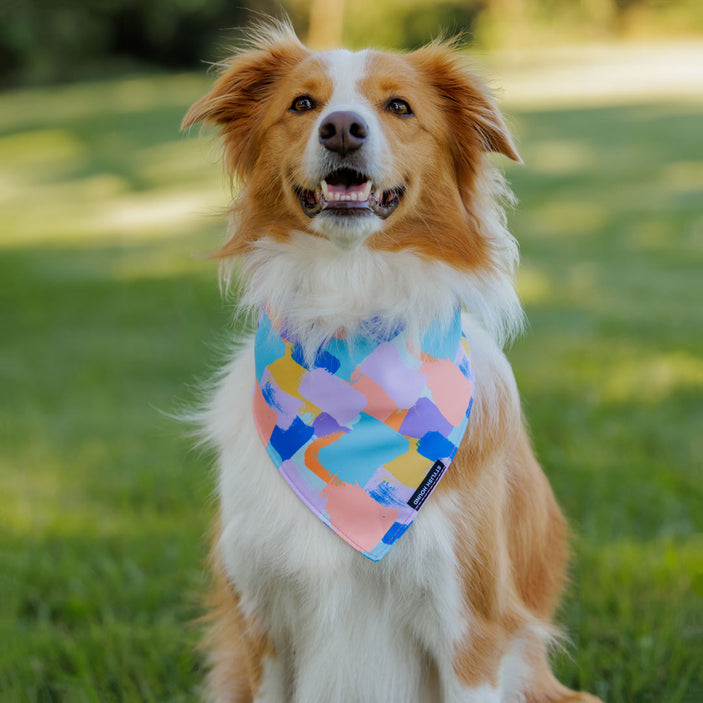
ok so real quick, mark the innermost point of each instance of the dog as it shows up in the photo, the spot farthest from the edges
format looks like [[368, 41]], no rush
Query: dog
[[385, 533]]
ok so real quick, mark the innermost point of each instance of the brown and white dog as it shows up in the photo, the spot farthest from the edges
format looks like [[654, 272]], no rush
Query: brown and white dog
[[365, 190]]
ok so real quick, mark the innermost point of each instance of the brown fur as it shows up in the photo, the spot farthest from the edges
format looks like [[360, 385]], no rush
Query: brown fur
[[513, 555], [236, 646]]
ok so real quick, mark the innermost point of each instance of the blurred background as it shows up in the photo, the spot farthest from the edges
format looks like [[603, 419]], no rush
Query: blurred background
[[111, 320]]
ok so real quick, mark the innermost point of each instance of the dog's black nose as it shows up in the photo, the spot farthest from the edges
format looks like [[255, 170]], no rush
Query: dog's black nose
[[343, 132]]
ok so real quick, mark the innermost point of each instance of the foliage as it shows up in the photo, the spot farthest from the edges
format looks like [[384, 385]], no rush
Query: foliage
[[534, 23], [108, 313], [60, 40], [407, 24], [48, 40]]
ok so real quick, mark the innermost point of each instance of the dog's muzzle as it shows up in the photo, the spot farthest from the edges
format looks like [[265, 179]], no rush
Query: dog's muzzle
[[346, 191]]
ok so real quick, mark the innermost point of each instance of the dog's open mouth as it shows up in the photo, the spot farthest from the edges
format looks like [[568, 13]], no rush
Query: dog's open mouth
[[347, 192]]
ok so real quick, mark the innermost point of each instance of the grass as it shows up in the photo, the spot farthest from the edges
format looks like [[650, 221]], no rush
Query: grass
[[611, 229], [109, 316]]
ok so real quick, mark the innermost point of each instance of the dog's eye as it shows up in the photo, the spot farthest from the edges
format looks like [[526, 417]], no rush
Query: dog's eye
[[303, 103], [399, 107]]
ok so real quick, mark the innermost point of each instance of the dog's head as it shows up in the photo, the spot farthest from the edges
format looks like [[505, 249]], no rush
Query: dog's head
[[359, 148]]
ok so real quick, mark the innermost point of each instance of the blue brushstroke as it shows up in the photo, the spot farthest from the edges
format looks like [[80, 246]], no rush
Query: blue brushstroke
[[434, 446], [385, 494], [323, 359], [287, 442], [268, 390], [397, 529]]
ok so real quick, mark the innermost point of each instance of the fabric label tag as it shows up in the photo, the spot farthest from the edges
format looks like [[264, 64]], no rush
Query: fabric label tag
[[428, 483]]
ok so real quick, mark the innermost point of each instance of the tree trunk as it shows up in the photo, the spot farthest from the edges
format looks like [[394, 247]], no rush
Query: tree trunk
[[326, 24]]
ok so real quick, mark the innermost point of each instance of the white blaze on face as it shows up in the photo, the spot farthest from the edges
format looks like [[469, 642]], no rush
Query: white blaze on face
[[347, 69]]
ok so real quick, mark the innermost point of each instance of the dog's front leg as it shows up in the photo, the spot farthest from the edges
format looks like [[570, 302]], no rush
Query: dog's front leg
[[244, 666]]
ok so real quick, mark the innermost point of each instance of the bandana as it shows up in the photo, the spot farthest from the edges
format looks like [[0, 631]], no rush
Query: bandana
[[364, 433]]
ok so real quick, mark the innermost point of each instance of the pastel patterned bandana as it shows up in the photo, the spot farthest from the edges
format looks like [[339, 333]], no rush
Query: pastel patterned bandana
[[365, 432]]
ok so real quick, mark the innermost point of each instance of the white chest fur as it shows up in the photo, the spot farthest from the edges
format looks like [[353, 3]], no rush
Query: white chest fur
[[347, 629]]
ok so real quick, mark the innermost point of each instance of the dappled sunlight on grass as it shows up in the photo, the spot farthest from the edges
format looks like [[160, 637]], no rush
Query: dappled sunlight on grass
[[101, 209], [610, 224], [111, 312], [600, 74], [684, 176], [180, 161], [99, 162], [655, 234], [42, 155], [658, 564], [27, 108], [70, 511], [187, 258], [569, 217], [158, 212], [652, 379], [562, 157], [32, 495], [533, 284]]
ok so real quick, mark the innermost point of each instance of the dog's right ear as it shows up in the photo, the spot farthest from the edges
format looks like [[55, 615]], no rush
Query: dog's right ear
[[238, 101]]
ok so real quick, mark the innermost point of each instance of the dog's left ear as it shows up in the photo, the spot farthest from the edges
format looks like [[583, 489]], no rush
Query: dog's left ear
[[472, 115]]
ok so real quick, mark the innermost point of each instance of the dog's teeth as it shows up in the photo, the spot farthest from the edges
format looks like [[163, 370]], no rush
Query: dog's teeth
[[366, 192], [325, 192]]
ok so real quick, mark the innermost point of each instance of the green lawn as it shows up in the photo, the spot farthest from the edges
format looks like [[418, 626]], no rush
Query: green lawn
[[111, 316]]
